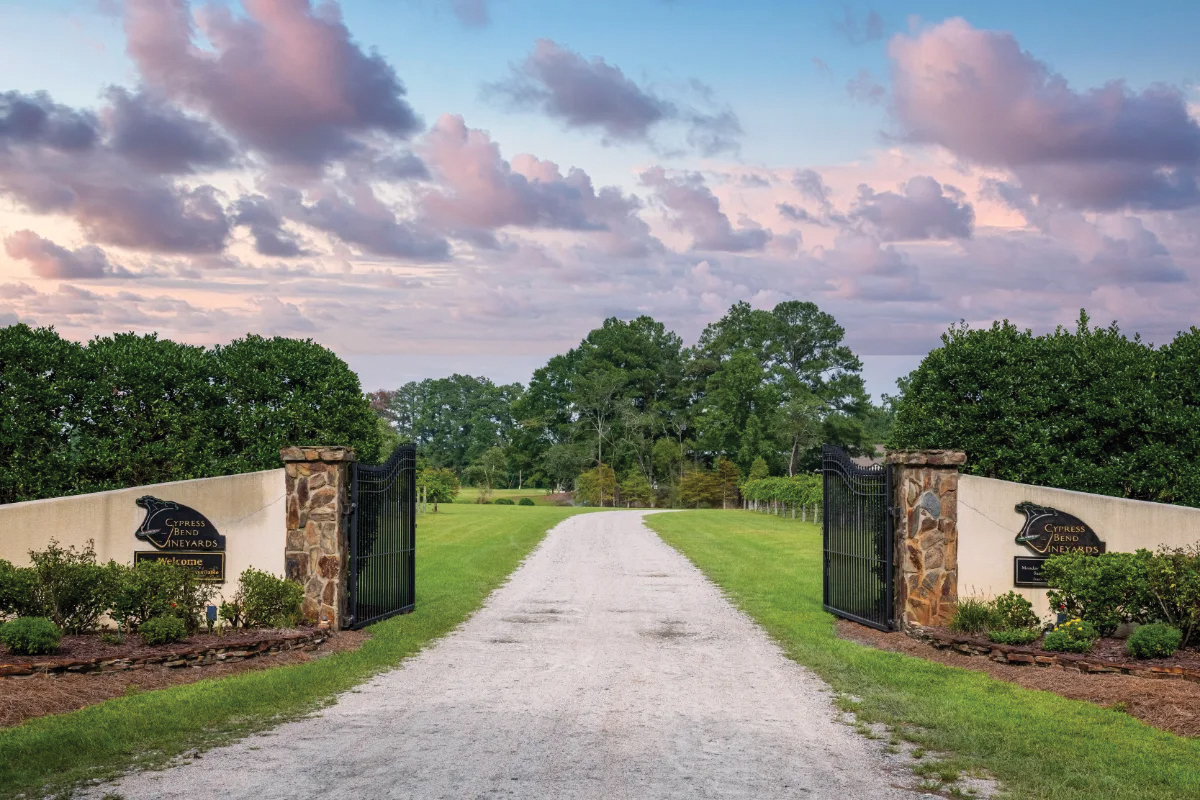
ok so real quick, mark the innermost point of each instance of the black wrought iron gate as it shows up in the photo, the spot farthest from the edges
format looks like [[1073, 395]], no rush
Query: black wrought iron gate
[[858, 546], [383, 523]]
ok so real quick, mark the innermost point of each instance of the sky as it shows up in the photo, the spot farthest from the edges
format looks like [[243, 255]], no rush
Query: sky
[[438, 186]]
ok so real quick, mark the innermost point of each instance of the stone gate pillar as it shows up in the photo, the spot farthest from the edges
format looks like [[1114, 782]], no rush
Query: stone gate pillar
[[317, 552], [925, 483]]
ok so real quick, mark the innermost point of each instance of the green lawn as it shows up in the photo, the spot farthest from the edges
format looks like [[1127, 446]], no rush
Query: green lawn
[[1039, 745], [470, 494], [463, 553]]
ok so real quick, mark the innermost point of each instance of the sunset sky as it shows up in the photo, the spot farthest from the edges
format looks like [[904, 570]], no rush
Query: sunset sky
[[429, 186]]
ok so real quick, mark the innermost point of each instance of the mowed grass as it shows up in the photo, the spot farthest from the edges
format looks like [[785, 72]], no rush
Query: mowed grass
[[1039, 745], [470, 494], [463, 553]]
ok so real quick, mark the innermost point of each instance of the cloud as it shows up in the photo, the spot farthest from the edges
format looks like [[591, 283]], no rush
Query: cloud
[[286, 80], [472, 13], [36, 120], [978, 94], [925, 210], [596, 95], [695, 209], [859, 31], [812, 186], [865, 89], [478, 190], [159, 137], [270, 239], [49, 260]]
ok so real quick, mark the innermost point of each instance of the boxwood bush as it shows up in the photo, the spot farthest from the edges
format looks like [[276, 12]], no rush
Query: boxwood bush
[[525, 501], [1153, 641], [30, 636], [502, 501], [163, 630]]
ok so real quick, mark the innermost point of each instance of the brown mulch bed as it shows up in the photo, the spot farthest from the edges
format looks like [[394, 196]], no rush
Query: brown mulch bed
[[1172, 705], [89, 646], [25, 698]]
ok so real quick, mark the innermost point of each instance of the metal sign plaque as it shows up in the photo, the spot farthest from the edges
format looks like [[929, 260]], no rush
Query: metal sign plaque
[[210, 567], [1027, 571], [1050, 532], [183, 536]]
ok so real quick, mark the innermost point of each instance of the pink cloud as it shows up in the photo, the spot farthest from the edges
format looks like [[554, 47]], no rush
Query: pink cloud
[[49, 260], [695, 209]]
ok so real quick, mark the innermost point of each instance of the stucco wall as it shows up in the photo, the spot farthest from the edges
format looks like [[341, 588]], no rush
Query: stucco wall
[[248, 509], [988, 523]]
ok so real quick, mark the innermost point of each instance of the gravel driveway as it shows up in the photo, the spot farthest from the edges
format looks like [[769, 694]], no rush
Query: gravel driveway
[[607, 667]]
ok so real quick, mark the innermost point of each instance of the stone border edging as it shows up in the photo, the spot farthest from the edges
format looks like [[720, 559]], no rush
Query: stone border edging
[[1012, 654], [200, 657]]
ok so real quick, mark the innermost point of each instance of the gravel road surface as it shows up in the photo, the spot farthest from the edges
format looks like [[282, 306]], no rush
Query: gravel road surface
[[607, 667]]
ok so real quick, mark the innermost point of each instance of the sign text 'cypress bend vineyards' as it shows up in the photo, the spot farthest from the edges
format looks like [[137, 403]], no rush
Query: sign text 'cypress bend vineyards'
[[1050, 532]]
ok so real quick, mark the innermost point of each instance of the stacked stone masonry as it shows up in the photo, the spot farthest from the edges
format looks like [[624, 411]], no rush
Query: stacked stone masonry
[[1011, 654], [926, 502], [175, 659], [316, 554]]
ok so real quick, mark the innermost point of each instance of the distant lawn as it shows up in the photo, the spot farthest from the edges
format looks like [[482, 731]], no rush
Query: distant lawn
[[1038, 744], [470, 494], [463, 553]]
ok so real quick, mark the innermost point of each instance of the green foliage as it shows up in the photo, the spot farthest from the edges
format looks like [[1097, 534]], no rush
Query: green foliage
[[163, 630], [18, 597], [700, 489], [488, 472], [759, 470], [70, 587], [1105, 590], [129, 410], [30, 636], [1173, 586], [1018, 636], [1154, 641], [597, 486], [1073, 636], [158, 588], [232, 612], [1089, 410], [801, 490], [1014, 612], [635, 490], [503, 501], [267, 601], [525, 501], [439, 483], [973, 615]]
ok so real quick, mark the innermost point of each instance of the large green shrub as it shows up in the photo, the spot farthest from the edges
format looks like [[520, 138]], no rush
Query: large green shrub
[[70, 587], [1015, 613], [18, 597], [525, 501], [158, 588], [1153, 641], [1090, 410], [30, 636], [268, 602], [1173, 587], [163, 630], [1105, 590]]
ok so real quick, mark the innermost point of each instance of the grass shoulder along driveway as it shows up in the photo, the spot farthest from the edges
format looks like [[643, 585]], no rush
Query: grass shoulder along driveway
[[463, 553], [1037, 744]]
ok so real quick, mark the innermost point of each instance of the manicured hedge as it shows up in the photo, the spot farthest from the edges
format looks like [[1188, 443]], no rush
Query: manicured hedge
[[129, 410], [1091, 410]]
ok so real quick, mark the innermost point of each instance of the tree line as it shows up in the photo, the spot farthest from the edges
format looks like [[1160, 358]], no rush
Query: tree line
[[129, 410], [633, 411]]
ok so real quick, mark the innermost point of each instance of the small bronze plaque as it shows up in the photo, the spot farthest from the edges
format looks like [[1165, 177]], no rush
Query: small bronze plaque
[[1027, 571], [210, 567]]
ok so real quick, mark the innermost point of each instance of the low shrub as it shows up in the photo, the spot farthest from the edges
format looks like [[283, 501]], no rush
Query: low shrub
[[1073, 636], [1014, 612], [1173, 585], [163, 630], [30, 636], [502, 501], [1105, 589], [972, 615], [1019, 636], [1153, 641], [267, 601], [525, 501]]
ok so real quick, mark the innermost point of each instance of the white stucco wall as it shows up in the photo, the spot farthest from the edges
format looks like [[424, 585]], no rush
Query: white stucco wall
[[249, 510], [988, 524]]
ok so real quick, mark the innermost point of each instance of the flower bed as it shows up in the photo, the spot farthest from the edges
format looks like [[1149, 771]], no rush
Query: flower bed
[[88, 653], [1107, 656]]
